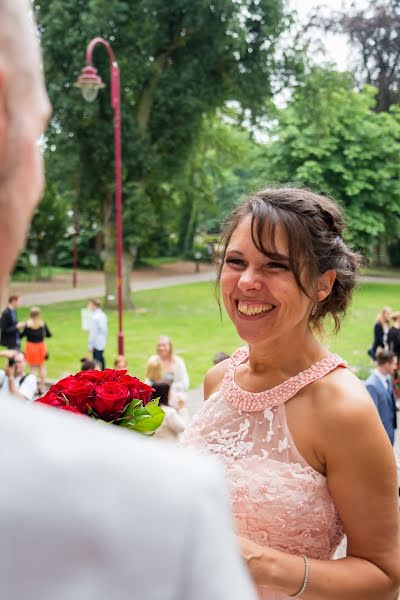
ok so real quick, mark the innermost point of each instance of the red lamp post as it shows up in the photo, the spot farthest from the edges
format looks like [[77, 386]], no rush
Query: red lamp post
[[90, 82]]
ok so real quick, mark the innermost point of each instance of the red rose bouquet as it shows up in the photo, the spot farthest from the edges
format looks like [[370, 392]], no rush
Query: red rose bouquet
[[111, 395]]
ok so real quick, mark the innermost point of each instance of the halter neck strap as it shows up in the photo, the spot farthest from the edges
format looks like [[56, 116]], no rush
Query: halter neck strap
[[257, 401]]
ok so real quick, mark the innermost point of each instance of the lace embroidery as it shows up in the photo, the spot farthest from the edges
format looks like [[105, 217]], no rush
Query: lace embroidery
[[277, 498], [254, 401]]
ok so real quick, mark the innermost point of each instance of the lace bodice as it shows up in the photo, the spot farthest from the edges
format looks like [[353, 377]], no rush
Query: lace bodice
[[277, 498]]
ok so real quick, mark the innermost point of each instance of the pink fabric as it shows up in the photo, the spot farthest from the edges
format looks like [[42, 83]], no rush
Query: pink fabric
[[278, 500]]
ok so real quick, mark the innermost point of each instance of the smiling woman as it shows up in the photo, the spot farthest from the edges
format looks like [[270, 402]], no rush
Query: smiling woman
[[284, 415]]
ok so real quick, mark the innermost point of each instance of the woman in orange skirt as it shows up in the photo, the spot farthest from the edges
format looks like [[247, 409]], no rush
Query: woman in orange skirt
[[36, 332]]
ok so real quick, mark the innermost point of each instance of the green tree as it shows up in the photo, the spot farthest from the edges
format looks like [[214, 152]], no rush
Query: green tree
[[180, 60], [330, 138], [48, 226]]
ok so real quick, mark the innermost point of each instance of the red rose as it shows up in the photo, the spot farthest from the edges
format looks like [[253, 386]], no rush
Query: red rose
[[70, 408], [97, 376], [80, 394], [62, 385], [51, 399], [111, 399], [137, 389]]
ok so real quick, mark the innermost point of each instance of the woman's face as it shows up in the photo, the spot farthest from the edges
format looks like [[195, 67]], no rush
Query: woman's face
[[163, 348], [386, 315], [261, 295]]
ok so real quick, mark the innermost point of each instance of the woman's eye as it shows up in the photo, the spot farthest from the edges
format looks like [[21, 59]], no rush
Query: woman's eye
[[276, 266], [237, 262]]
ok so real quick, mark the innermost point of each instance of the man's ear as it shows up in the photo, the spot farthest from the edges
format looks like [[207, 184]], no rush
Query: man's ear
[[325, 284], [3, 114]]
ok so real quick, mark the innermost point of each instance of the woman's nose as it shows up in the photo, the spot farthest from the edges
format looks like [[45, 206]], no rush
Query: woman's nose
[[249, 280]]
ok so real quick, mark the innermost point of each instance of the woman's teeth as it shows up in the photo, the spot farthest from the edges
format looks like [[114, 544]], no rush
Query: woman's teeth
[[254, 309]]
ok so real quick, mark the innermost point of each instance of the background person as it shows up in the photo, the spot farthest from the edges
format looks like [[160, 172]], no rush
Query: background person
[[36, 352], [306, 457], [98, 332], [219, 357], [174, 369], [10, 326], [394, 335], [174, 422], [14, 380], [64, 480], [121, 362], [379, 385], [381, 331], [88, 365]]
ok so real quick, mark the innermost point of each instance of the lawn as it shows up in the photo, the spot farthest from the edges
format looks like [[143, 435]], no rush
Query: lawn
[[190, 315]]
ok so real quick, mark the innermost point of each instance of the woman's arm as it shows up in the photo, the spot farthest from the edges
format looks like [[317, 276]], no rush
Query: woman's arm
[[175, 421], [378, 337], [362, 479], [47, 330], [181, 377]]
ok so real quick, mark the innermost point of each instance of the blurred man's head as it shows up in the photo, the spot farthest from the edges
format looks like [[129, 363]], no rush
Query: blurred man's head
[[19, 361], [14, 301], [24, 111], [386, 362], [93, 304]]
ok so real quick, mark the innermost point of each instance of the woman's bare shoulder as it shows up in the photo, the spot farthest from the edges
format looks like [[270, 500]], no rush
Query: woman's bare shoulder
[[341, 403], [214, 377]]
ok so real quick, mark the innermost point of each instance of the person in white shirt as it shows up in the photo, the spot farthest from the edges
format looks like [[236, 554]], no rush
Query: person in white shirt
[[91, 511], [14, 380], [97, 332]]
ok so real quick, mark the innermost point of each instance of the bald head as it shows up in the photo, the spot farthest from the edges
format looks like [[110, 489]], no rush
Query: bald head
[[18, 39], [24, 109]]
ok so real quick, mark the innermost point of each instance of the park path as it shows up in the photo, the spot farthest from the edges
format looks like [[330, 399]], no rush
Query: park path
[[91, 285]]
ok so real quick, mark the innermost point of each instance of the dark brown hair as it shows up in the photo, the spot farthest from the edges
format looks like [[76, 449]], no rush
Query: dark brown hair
[[314, 227], [384, 356]]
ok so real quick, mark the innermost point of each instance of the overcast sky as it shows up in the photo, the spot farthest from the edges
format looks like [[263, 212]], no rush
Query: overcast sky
[[337, 48]]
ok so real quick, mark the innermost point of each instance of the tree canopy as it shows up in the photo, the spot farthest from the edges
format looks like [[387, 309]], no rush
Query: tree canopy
[[180, 61]]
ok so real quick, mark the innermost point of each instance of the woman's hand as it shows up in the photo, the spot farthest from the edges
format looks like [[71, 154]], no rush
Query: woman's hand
[[256, 559]]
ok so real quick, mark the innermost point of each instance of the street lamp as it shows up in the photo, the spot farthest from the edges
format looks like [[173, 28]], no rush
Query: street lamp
[[90, 83]]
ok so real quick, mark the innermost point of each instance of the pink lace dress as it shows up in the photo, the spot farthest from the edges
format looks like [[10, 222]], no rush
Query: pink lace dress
[[278, 500]]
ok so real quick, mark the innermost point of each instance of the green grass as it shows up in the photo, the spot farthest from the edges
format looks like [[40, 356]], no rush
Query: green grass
[[46, 272], [382, 272], [189, 314]]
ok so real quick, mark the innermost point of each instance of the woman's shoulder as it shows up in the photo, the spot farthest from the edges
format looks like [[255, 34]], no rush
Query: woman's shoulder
[[214, 377], [340, 399]]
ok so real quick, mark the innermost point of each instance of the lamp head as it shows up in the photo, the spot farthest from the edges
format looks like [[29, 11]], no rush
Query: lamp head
[[89, 83]]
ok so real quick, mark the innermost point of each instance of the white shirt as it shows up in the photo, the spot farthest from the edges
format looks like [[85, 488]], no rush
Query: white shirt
[[98, 330], [27, 388], [93, 512]]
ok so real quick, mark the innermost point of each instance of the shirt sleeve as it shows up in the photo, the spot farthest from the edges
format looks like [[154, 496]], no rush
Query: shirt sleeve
[[181, 377], [175, 421], [28, 387], [214, 569], [47, 330]]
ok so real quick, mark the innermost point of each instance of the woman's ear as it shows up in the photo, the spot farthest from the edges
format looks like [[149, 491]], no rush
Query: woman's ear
[[325, 284]]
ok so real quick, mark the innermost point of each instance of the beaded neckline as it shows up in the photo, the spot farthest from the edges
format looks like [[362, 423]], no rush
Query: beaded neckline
[[254, 401]]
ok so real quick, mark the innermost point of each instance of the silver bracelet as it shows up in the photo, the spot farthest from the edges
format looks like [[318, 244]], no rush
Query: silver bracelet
[[305, 581]]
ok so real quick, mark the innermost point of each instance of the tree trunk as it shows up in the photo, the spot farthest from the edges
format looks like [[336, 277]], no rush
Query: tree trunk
[[380, 254], [110, 261]]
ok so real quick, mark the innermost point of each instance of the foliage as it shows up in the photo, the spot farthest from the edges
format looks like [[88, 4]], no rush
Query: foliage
[[374, 33], [180, 61], [330, 138]]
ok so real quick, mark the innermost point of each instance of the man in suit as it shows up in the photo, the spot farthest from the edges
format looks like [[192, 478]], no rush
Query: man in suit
[[379, 385], [89, 511], [10, 326]]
